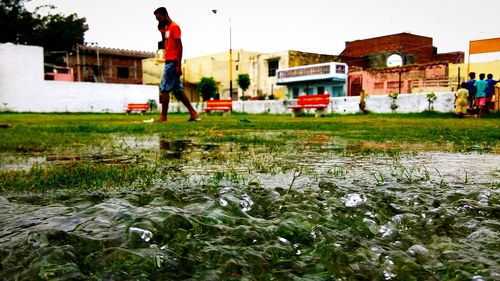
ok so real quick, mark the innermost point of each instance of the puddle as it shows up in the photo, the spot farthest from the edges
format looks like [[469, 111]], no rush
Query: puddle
[[325, 210]]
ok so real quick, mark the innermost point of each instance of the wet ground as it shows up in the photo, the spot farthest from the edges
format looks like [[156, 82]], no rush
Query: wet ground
[[324, 209]]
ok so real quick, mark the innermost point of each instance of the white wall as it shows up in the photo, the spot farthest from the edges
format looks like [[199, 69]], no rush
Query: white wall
[[378, 104], [23, 89]]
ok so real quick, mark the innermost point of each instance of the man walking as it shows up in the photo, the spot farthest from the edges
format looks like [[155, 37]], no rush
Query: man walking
[[171, 79]]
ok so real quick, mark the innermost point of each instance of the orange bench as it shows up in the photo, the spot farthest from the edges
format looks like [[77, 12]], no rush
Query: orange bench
[[319, 102], [226, 106], [141, 107]]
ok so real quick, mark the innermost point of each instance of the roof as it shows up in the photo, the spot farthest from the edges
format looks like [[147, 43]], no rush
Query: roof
[[117, 52]]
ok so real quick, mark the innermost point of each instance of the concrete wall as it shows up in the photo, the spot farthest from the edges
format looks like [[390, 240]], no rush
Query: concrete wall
[[378, 104], [22, 89]]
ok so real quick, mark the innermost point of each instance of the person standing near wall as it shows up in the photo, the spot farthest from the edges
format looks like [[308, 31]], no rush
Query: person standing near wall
[[481, 86], [472, 89], [171, 79], [490, 90], [461, 100]]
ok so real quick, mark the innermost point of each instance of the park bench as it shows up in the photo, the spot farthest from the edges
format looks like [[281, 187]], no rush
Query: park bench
[[318, 102], [140, 107], [219, 105]]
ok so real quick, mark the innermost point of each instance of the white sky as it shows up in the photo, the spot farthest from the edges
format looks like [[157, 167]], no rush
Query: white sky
[[320, 26]]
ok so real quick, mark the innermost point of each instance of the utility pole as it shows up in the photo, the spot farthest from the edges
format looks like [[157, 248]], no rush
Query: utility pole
[[230, 58], [78, 62]]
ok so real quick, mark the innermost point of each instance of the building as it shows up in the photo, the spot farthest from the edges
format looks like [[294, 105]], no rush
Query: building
[[420, 67], [106, 65], [315, 79], [266, 66], [261, 67], [458, 72], [414, 49]]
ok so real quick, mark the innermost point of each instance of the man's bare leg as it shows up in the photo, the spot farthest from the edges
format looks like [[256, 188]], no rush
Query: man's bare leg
[[164, 100], [184, 99]]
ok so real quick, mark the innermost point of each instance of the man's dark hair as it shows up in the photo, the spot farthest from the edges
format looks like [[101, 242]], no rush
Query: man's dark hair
[[472, 75], [490, 76], [161, 11], [481, 76]]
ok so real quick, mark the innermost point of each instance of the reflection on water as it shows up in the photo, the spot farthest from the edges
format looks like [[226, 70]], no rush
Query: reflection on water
[[238, 214], [174, 149]]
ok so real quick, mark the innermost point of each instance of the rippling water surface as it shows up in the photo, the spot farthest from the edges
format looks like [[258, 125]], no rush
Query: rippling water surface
[[233, 212]]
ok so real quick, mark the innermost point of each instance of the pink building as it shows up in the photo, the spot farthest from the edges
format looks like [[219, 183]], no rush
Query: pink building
[[421, 68]]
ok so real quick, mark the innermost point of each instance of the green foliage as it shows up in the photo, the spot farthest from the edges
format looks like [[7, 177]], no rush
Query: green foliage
[[207, 87], [152, 105], [54, 32], [393, 97], [431, 98], [243, 81]]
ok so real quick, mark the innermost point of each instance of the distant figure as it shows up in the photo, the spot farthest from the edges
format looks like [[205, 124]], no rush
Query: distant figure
[[362, 102], [472, 89], [481, 86], [490, 90], [171, 79], [461, 100]]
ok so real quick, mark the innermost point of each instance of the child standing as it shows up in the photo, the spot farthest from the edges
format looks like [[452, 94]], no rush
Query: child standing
[[461, 100]]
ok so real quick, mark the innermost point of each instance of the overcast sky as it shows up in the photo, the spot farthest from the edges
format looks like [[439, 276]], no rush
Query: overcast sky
[[320, 26]]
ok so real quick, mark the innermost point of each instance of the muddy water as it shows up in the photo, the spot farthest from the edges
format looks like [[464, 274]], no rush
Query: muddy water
[[246, 212]]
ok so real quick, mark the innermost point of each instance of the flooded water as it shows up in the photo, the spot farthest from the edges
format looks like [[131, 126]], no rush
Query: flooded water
[[227, 211]]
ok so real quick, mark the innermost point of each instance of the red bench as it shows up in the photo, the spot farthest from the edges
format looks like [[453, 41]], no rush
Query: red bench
[[318, 102], [140, 107], [226, 106]]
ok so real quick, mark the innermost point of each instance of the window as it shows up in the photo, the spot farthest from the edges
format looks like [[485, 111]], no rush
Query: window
[[122, 72], [392, 84], [321, 90], [295, 92], [340, 69], [272, 66], [378, 85]]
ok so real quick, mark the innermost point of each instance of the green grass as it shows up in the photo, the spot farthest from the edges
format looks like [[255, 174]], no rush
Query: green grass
[[87, 139], [40, 132]]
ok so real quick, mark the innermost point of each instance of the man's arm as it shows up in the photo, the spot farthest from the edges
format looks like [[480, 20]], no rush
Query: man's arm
[[178, 65]]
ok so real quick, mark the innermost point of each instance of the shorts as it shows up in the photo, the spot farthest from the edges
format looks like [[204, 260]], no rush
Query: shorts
[[171, 81], [480, 101]]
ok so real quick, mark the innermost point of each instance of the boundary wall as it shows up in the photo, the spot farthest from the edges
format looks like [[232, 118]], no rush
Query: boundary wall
[[23, 89]]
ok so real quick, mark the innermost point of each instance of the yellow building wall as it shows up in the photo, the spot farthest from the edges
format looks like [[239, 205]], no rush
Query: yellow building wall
[[217, 66], [492, 67]]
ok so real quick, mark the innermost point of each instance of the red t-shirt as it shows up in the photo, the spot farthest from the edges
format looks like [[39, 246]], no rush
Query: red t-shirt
[[173, 47]]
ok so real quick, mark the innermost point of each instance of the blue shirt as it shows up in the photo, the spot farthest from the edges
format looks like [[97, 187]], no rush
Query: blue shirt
[[490, 89], [470, 86], [481, 86]]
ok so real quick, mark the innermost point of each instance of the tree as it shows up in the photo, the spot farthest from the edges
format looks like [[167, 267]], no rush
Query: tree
[[54, 32], [243, 82], [207, 87]]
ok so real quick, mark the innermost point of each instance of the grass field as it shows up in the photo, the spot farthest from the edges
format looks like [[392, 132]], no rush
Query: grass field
[[39, 132], [249, 197]]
